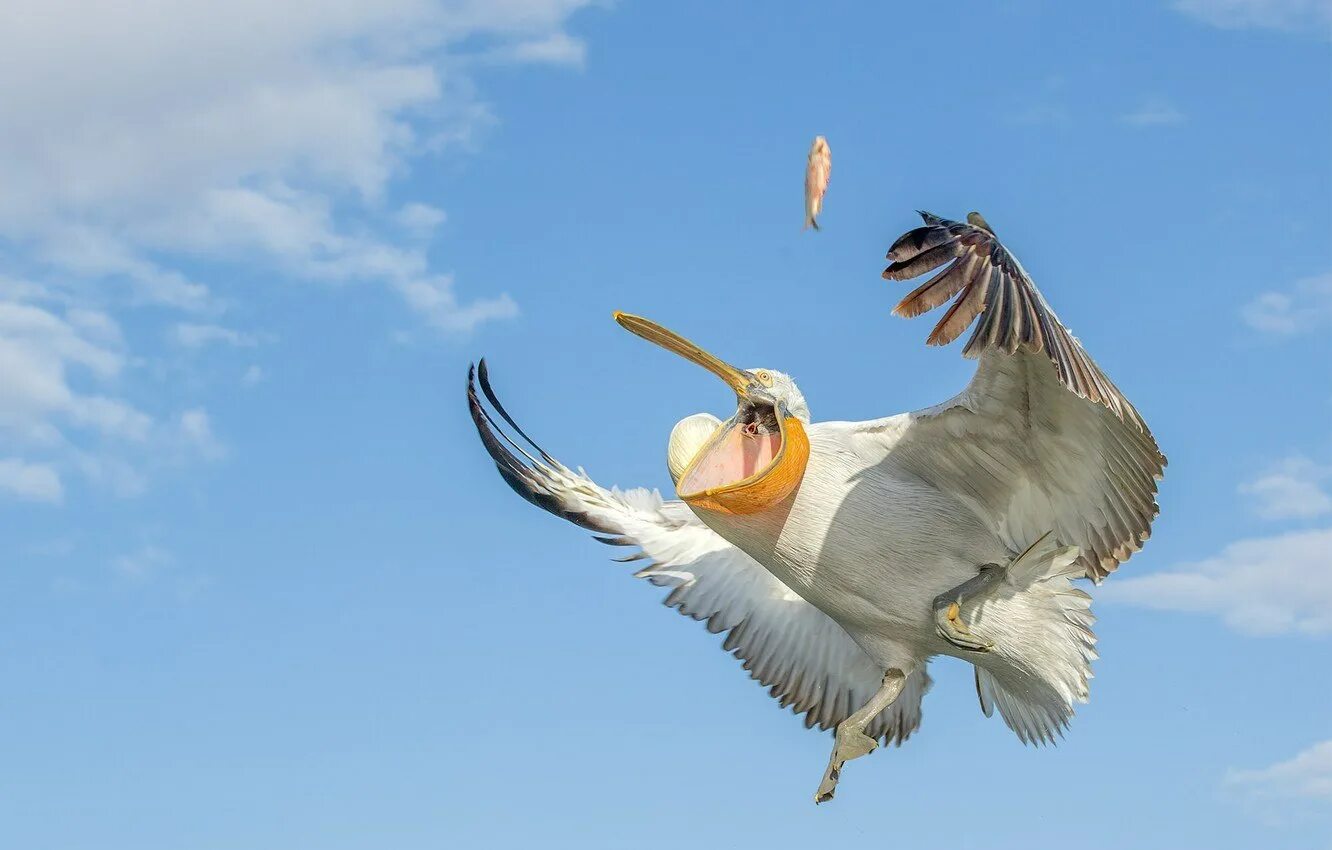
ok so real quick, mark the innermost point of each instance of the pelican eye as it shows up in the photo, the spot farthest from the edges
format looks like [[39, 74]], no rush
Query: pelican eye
[[763, 377]]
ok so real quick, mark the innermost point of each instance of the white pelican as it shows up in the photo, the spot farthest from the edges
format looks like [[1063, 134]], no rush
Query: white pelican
[[840, 557]]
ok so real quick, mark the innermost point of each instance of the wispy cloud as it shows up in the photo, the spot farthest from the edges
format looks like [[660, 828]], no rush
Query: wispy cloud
[[1304, 307], [152, 141], [256, 128], [1154, 112], [143, 563], [195, 432], [1313, 16], [196, 336], [434, 300], [1292, 489], [35, 482], [1308, 775], [151, 566], [62, 404], [558, 48], [1262, 586], [420, 219], [58, 365]]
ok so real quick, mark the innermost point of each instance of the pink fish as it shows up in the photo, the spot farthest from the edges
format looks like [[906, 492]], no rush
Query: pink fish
[[817, 172]]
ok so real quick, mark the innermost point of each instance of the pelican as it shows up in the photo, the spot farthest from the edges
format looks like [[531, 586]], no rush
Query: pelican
[[841, 557]]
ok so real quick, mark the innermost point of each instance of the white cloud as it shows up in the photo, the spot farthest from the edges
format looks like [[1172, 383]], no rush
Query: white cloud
[[558, 48], [196, 434], [1154, 112], [33, 482], [48, 353], [420, 219], [90, 253], [190, 335], [1263, 586], [110, 472], [62, 408], [61, 398], [1305, 307], [1292, 489], [1292, 15], [1308, 775], [156, 145], [253, 375], [167, 129], [434, 300], [143, 563]]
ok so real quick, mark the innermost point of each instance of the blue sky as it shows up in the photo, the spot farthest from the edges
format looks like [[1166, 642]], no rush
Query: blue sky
[[262, 588]]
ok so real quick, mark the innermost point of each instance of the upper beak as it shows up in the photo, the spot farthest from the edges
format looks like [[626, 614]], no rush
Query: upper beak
[[737, 379]]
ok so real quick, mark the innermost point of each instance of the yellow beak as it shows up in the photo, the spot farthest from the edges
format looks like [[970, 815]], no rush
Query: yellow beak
[[736, 379], [764, 487]]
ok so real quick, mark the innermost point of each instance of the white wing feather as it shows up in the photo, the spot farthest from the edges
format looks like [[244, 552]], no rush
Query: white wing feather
[[1040, 439], [807, 661]]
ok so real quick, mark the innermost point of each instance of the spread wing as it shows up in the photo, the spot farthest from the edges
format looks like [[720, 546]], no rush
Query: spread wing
[[1040, 439], [807, 661]]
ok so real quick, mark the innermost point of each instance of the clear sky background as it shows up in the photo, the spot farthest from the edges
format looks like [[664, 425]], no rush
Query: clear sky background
[[261, 588]]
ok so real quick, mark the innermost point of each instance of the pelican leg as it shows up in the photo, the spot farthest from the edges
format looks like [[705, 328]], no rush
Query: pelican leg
[[850, 740], [948, 620]]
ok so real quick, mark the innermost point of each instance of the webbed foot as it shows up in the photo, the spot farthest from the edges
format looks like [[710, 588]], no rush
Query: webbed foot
[[849, 744], [949, 611], [850, 740]]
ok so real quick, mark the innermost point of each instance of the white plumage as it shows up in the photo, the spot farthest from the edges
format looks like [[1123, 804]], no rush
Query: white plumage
[[956, 530]]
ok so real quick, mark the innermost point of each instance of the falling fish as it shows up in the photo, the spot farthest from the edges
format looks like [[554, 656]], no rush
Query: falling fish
[[817, 172]]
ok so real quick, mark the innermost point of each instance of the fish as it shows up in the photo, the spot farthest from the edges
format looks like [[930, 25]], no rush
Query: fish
[[817, 172]]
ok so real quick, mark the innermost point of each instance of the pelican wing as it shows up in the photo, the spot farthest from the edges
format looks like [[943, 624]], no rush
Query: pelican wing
[[807, 661], [1040, 438]]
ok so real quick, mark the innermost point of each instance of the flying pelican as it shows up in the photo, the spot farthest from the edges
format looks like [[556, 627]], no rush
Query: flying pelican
[[840, 557]]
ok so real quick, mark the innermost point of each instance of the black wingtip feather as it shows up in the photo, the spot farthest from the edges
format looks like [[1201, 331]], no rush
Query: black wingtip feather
[[484, 375], [526, 481], [1039, 330], [511, 469]]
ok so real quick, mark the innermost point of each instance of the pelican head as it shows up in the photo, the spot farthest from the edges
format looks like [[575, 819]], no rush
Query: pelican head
[[751, 461]]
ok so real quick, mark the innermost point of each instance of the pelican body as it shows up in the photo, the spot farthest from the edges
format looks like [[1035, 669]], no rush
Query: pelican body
[[840, 557]]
